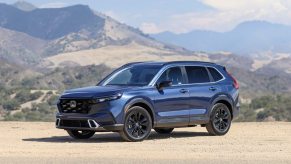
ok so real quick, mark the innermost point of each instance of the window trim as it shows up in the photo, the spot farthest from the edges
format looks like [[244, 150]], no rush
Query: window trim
[[184, 73], [223, 77], [159, 74]]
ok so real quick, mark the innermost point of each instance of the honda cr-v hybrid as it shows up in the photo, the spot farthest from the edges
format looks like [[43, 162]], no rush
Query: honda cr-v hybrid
[[138, 97]]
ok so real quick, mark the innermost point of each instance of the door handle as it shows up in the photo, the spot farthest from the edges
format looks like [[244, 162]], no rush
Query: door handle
[[212, 89], [184, 90]]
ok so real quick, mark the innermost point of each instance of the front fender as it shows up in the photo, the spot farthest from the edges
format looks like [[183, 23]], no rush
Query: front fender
[[143, 100]]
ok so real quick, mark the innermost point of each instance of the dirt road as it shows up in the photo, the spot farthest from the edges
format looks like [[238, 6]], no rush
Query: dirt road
[[26, 142]]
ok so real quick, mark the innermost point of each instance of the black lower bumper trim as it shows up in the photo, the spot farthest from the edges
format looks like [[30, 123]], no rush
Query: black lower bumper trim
[[107, 128]]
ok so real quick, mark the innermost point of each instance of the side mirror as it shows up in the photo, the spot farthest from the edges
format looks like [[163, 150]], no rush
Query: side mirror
[[163, 84]]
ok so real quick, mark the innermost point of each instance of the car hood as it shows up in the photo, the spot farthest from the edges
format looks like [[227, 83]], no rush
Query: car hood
[[93, 92]]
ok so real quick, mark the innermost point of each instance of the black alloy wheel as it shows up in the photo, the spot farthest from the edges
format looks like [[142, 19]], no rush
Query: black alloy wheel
[[137, 124], [220, 120]]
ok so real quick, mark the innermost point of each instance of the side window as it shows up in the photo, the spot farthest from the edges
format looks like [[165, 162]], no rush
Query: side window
[[197, 74], [215, 74], [173, 74]]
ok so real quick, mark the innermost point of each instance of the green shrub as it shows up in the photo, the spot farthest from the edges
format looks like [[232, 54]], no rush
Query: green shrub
[[52, 101], [38, 112], [246, 114], [23, 96], [262, 115], [28, 82], [11, 104], [19, 116], [35, 95], [278, 107]]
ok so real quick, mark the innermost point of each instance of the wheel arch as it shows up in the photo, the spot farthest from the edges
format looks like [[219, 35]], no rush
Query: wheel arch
[[229, 106], [224, 99], [144, 103]]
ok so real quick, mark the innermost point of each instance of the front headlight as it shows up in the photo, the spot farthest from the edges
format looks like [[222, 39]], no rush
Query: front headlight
[[108, 98]]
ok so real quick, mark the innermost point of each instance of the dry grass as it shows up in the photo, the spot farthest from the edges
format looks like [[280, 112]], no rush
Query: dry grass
[[114, 56]]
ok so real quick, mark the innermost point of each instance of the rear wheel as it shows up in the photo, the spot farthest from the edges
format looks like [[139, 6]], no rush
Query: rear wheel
[[220, 120], [164, 130], [137, 124], [80, 134]]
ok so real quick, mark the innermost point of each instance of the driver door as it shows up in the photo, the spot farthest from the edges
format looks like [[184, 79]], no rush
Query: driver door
[[172, 103]]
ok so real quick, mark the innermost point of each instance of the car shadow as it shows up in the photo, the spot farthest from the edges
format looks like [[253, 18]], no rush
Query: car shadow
[[115, 137]]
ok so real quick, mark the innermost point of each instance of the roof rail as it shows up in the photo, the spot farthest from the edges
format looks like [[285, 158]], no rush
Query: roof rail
[[127, 64], [174, 62]]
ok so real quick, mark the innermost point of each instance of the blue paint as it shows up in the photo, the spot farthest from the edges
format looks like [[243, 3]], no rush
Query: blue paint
[[180, 104]]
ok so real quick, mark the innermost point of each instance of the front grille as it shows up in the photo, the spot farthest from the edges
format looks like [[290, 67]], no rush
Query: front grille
[[74, 123], [75, 106]]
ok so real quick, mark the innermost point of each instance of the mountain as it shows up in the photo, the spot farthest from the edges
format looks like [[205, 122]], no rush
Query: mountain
[[69, 29], [246, 38], [111, 33], [19, 47], [49, 24], [25, 6]]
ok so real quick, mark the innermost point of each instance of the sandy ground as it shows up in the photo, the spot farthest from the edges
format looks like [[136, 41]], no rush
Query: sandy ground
[[26, 142]]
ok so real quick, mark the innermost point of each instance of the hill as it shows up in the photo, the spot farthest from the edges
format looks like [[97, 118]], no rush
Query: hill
[[245, 39], [20, 48], [25, 6], [49, 24], [115, 56], [52, 31]]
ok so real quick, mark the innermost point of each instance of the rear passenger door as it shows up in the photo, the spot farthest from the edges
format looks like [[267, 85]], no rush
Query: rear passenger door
[[201, 90]]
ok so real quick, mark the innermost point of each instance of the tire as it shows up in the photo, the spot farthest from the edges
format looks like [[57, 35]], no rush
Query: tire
[[137, 125], [76, 134], [220, 120], [164, 130]]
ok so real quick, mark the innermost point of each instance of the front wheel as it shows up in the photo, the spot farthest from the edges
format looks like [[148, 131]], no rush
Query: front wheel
[[137, 124], [82, 134], [220, 120]]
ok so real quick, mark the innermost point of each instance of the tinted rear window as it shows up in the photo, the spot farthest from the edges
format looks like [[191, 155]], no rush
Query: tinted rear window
[[215, 74], [197, 74]]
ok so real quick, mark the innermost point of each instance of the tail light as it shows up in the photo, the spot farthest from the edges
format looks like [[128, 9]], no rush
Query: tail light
[[235, 82]]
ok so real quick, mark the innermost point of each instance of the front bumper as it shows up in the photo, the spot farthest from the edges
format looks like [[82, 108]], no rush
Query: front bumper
[[98, 123]]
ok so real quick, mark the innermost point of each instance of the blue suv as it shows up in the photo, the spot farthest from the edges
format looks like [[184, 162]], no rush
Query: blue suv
[[138, 97]]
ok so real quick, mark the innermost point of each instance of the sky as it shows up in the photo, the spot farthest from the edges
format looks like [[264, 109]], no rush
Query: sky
[[181, 16]]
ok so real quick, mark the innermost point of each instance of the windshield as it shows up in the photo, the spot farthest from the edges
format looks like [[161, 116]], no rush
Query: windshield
[[139, 75]]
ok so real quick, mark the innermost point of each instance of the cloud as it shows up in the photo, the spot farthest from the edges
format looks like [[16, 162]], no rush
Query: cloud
[[245, 4], [149, 27], [53, 5], [227, 14]]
